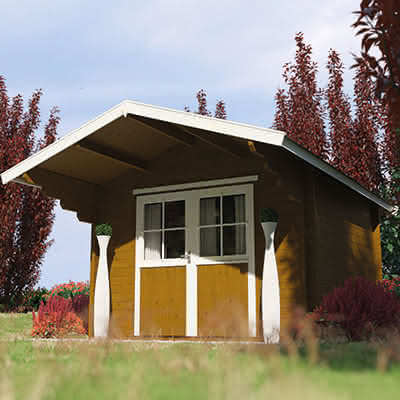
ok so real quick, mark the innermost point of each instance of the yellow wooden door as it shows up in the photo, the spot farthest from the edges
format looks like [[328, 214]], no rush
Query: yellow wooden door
[[163, 301], [222, 300]]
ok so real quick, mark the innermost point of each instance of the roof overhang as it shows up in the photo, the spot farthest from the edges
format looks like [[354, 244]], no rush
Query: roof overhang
[[166, 116]]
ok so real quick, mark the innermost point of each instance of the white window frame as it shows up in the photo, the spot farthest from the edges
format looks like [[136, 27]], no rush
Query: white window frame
[[192, 243], [140, 203]]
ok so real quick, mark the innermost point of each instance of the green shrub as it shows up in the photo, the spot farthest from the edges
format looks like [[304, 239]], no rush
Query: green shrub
[[268, 215], [104, 229], [70, 290], [34, 297]]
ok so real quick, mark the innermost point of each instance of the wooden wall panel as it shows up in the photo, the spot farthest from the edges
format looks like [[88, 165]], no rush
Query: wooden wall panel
[[163, 301], [222, 300], [345, 240]]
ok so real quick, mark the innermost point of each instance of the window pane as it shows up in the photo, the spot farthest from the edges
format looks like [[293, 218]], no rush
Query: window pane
[[174, 243], [174, 214], [152, 245], [234, 240], [152, 216], [210, 242], [210, 211], [234, 210]]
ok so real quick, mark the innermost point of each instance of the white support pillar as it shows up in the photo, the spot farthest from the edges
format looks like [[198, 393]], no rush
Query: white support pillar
[[270, 301], [102, 291]]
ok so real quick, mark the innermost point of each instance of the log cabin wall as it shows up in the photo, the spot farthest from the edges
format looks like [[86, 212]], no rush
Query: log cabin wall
[[343, 236], [311, 210], [279, 186]]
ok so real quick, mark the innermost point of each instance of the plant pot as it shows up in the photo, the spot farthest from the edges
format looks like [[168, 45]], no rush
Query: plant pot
[[102, 291], [270, 299]]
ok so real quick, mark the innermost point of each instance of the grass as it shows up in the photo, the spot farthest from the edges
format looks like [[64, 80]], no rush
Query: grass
[[65, 370], [15, 325], [133, 370]]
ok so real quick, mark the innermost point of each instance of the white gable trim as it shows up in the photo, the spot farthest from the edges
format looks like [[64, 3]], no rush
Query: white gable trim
[[235, 129]]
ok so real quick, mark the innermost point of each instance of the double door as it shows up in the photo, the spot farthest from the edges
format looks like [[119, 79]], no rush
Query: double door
[[192, 262]]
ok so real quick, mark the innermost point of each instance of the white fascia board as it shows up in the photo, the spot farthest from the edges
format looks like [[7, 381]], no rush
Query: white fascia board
[[63, 143], [235, 129], [333, 172]]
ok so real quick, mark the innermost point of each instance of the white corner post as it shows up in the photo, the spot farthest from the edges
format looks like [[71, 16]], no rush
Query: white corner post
[[102, 291], [270, 300]]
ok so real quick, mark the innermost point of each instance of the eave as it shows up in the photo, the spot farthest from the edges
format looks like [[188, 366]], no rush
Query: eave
[[181, 127]]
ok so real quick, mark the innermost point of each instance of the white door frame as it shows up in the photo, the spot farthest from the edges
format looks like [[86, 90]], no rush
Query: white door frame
[[192, 242]]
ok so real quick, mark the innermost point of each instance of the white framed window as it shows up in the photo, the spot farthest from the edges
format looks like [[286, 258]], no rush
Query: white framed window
[[223, 226], [210, 225], [164, 230]]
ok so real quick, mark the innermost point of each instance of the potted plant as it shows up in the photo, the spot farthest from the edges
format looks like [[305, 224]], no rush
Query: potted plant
[[270, 299], [102, 288]]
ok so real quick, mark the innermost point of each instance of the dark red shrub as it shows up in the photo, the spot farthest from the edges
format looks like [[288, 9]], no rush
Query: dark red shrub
[[358, 304]]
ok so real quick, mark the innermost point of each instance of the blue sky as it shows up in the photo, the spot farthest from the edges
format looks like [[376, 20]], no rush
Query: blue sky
[[88, 56]]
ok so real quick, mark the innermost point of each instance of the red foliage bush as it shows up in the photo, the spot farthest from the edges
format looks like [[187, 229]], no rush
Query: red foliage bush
[[358, 305], [56, 318]]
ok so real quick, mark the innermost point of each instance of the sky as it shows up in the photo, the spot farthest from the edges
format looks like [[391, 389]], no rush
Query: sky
[[88, 56]]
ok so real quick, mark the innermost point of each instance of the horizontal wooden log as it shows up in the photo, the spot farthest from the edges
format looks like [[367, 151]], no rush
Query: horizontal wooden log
[[122, 305]]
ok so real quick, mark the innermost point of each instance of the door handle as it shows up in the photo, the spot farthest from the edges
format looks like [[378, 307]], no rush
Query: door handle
[[187, 256]]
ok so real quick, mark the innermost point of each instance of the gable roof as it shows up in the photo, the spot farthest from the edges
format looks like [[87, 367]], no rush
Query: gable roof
[[191, 120]]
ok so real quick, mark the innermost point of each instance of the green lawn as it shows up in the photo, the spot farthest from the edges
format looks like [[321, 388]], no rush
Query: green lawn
[[15, 326], [132, 370]]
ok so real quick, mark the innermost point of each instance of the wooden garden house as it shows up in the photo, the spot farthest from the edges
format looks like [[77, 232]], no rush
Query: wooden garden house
[[183, 194]]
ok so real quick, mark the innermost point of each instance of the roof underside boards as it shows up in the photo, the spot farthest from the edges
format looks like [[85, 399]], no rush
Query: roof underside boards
[[132, 134]]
